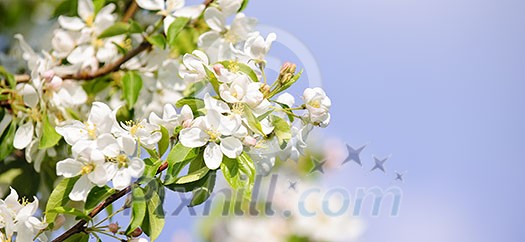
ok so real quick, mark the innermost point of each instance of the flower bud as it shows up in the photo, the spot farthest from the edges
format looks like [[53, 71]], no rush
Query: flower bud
[[113, 227], [250, 141], [265, 90], [48, 75], [217, 68], [287, 72], [55, 83], [137, 232]]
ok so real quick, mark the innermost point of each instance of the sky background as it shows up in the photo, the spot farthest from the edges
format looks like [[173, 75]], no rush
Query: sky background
[[439, 85]]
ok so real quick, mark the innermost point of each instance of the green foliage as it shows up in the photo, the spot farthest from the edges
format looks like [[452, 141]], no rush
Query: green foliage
[[118, 28], [193, 102], [138, 209], [164, 142], [154, 221], [96, 196], [59, 198], [157, 40], [233, 169], [71, 211], [175, 29], [281, 129], [177, 159], [7, 141], [131, 86], [50, 137], [253, 122]]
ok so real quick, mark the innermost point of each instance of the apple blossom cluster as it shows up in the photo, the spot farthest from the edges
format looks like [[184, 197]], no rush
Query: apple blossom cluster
[[115, 98], [18, 219]]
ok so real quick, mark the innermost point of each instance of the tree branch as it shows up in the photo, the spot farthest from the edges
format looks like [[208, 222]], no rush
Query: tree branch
[[130, 11], [108, 68], [80, 226]]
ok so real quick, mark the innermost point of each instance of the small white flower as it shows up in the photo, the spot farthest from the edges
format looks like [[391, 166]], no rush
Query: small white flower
[[100, 121], [241, 90], [171, 9], [256, 47], [318, 106], [192, 68], [213, 131], [18, 218], [90, 164]]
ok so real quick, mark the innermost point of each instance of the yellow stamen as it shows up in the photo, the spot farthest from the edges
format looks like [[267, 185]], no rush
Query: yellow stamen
[[87, 169]]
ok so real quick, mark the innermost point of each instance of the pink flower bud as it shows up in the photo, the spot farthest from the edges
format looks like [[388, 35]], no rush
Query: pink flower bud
[[48, 75], [137, 232], [250, 141], [217, 68], [55, 83], [113, 227]]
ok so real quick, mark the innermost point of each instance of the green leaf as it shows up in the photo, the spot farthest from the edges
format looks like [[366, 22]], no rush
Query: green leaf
[[59, 197], [9, 77], [177, 159], [281, 129], [243, 5], [157, 40], [98, 4], [193, 176], [230, 170], [194, 88], [67, 7], [50, 137], [248, 168], [164, 142], [152, 166], [138, 211], [131, 85], [194, 103], [253, 122], [71, 211], [154, 221], [134, 27], [116, 29], [175, 28], [96, 196], [235, 66], [201, 194], [7, 141], [285, 86], [78, 237], [212, 79], [284, 106], [96, 85]]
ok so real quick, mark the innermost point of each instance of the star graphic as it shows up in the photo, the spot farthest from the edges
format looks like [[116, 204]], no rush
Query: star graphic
[[379, 164], [399, 176], [318, 166], [292, 185], [353, 154]]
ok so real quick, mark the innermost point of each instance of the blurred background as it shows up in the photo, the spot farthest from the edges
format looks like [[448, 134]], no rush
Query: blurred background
[[437, 85]]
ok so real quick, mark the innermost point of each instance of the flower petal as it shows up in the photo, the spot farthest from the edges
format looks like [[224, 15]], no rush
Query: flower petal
[[121, 180], [81, 189], [193, 137], [69, 168], [24, 135], [214, 19], [231, 147], [212, 156]]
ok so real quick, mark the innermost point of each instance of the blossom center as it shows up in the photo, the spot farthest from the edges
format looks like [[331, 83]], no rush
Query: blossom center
[[90, 19], [91, 130], [87, 169], [122, 160], [315, 104], [214, 134], [134, 127]]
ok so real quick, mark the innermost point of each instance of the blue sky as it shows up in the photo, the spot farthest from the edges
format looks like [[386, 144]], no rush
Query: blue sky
[[439, 85]]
